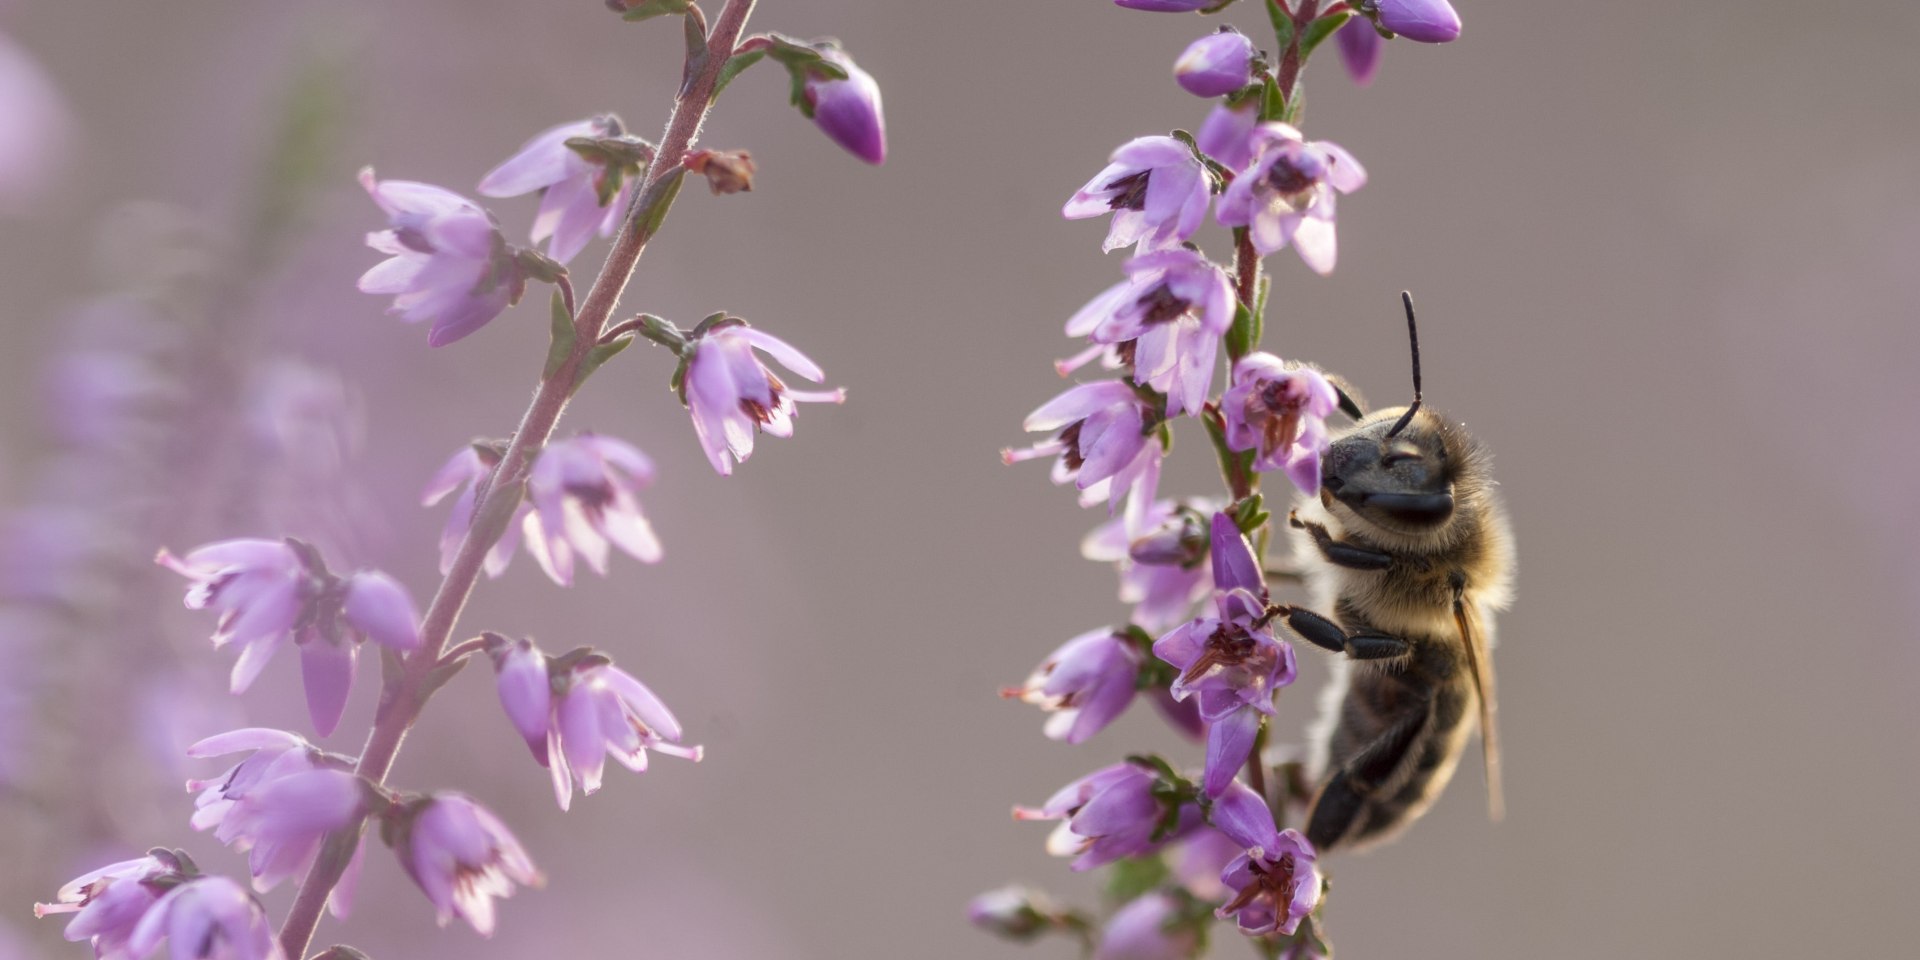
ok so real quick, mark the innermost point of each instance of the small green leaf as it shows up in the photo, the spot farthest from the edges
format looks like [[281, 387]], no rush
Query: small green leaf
[[696, 31], [1240, 335], [563, 337], [648, 9], [1134, 876], [1282, 24], [1272, 105], [655, 215], [1320, 30], [735, 67], [601, 353]]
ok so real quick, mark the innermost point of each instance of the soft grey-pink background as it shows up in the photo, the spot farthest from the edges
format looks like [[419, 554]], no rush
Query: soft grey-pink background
[[1664, 255]]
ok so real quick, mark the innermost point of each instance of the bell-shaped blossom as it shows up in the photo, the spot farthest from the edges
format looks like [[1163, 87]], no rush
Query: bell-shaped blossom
[[1360, 46], [277, 804], [1110, 814], [1216, 64], [577, 196], [1274, 888], [848, 111], [1014, 912], [1197, 862], [1165, 585], [466, 472], [732, 395], [577, 710], [207, 917], [271, 755], [1227, 133], [1156, 189], [448, 263], [1427, 21], [1148, 927], [1085, 685], [1166, 6], [1280, 412], [108, 903], [1174, 307], [1105, 442], [462, 857], [1230, 662], [1286, 195], [583, 491]]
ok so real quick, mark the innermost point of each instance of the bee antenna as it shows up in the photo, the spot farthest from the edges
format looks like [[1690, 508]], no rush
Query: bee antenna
[[1413, 339]]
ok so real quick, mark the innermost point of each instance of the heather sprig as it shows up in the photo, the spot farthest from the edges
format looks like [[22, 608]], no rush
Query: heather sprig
[[1188, 848]]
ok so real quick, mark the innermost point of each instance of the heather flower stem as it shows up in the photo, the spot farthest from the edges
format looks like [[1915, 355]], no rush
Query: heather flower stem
[[1290, 60], [405, 693]]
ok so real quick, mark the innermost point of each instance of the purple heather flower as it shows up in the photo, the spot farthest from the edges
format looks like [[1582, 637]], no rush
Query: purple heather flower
[[575, 198], [1274, 888], [732, 395], [848, 111], [447, 261], [207, 917], [1280, 412], [1427, 21], [1244, 817], [1287, 194], [573, 716], [1166, 6], [1360, 47], [582, 490], [1227, 133], [35, 136], [466, 472], [1147, 929], [272, 754], [109, 902], [1162, 588], [1216, 64], [277, 804], [1105, 442], [1107, 815], [1156, 189], [1198, 861], [463, 857], [1174, 306], [1086, 684]]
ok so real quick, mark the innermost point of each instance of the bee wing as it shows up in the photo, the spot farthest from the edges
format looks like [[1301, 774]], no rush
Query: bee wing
[[1480, 661]]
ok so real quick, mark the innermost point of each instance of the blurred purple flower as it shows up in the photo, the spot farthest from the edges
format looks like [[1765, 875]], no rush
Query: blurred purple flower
[[1274, 888], [1227, 133], [1175, 305], [1147, 928], [463, 857], [1197, 862], [272, 754], [576, 199], [1216, 64], [732, 395], [848, 111], [1360, 46], [1287, 194], [1281, 412], [582, 491], [36, 130], [447, 261], [1085, 685], [207, 917], [575, 712], [280, 823], [466, 472], [109, 902], [1156, 189], [1014, 912], [1427, 21], [1162, 594], [1166, 6], [1107, 815], [1106, 444]]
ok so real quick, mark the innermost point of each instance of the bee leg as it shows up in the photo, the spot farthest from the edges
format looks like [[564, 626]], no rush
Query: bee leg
[[1341, 808], [1324, 633], [1341, 554]]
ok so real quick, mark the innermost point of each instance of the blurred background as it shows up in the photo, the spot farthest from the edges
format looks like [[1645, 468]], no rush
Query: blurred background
[[1664, 258]]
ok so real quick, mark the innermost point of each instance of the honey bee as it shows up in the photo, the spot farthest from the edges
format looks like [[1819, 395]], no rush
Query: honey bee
[[1407, 551]]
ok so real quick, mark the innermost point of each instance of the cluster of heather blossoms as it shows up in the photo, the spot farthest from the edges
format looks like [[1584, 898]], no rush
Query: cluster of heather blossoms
[[1189, 846], [298, 812]]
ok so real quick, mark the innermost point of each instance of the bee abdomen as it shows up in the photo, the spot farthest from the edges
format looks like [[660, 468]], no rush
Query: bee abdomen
[[1387, 765]]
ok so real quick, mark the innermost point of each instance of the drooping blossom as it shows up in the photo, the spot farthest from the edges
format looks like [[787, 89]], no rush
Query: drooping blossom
[[583, 492], [1085, 685], [1280, 412], [1110, 814], [732, 395], [1287, 194], [1105, 442], [1227, 133], [1360, 46], [1427, 21], [268, 591], [1174, 307], [848, 111], [1147, 928], [36, 130], [1216, 64], [108, 903], [1014, 912], [576, 710], [1164, 586], [578, 196], [462, 857], [466, 472], [1273, 888], [1156, 189], [277, 804], [1166, 6], [207, 917], [1230, 662], [448, 263]]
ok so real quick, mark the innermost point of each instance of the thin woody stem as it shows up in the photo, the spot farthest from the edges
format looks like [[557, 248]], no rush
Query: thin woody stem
[[1290, 62], [401, 700]]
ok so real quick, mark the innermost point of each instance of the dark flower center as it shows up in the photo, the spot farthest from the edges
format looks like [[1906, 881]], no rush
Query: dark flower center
[[1129, 192], [1278, 883], [1231, 647], [1071, 437], [413, 239], [1288, 179], [1161, 305], [593, 497], [1277, 409], [761, 413]]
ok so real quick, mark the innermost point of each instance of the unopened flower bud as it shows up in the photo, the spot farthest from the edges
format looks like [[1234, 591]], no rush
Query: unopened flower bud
[[848, 111], [727, 171], [1014, 912], [1181, 540], [1427, 21], [1215, 65]]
